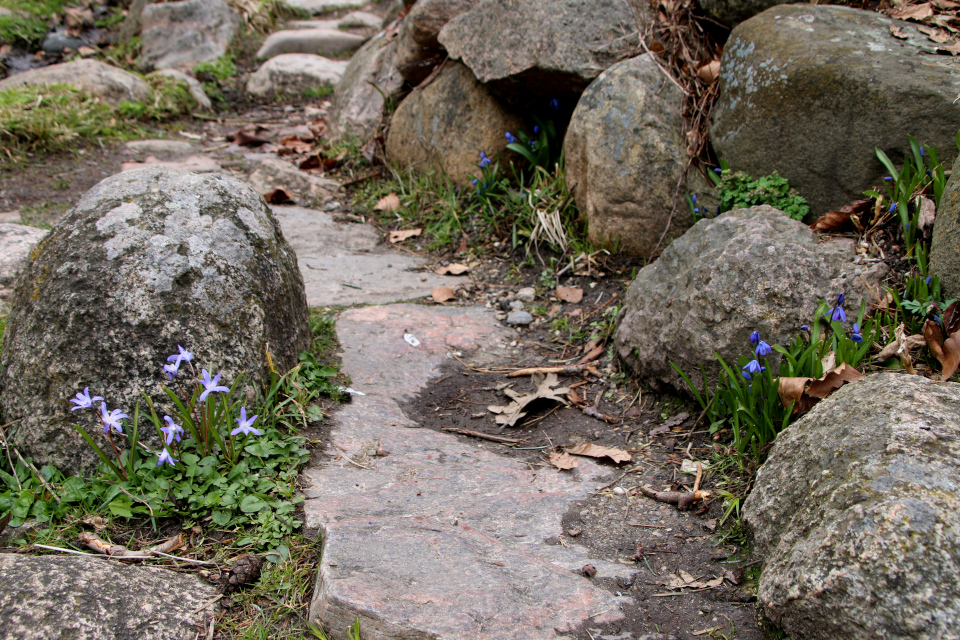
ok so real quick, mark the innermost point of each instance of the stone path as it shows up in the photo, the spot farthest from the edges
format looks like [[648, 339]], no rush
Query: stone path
[[425, 536]]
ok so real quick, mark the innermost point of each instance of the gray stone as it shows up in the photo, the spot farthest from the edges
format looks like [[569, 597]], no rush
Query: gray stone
[[146, 260], [856, 514], [516, 305], [313, 24], [60, 41], [748, 269], [48, 597], [180, 35], [626, 153], [345, 264], [393, 529], [527, 294], [193, 85], [324, 6], [945, 245], [359, 97], [519, 318], [194, 163], [796, 78], [294, 72], [167, 147], [531, 50], [733, 12], [446, 125], [110, 84], [360, 20], [419, 51], [16, 243], [323, 42], [274, 173]]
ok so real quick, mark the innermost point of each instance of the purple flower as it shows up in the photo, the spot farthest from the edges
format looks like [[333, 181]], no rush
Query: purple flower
[[172, 431], [171, 370], [484, 160], [887, 179], [210, 386], [511, 138], [838, 315], [245, 426], [755, 337], [111, 419], [856, 337], [840, 299], [184, 356], [474, 181], [696, 209], [555, 104], [763, 349], [717, 170], [536, 130], [83, 400], [804, 327], [922, 152], [893, 207], [753, 367], [694, 197], [166, 457], [926, 280]]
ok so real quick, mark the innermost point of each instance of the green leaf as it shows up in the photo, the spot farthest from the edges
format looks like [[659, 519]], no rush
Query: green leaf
[[121, 507], [252, 504], [220, 517]]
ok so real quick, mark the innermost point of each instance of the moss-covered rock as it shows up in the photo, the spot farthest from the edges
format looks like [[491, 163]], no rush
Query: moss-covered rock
[[147, 260]]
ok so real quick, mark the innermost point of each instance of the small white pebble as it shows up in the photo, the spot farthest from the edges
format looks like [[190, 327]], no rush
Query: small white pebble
[[619, 491]]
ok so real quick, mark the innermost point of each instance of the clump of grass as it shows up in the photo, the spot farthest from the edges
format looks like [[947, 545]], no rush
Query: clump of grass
[[171, 99], [54, 118], [28, 25]]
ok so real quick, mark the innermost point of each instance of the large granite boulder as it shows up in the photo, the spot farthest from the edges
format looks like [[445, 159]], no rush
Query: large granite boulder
[[625, 153], [794, 82], [148, 259], [945, 245], [446, 125], [110, 84], [419, 50], [360, 97], [16, 243], [857, 514], [179, 35], [50, 597], [536, 50], [295, 72], [745, 270]]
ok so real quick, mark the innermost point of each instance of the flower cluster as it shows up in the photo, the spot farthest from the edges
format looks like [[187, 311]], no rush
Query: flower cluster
[[761, 350]]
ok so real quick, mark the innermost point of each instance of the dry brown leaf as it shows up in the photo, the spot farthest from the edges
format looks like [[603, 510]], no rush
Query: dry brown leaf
[[6, 48], [388, 203], [953, 48], [709, 72], [591, 355], [829, 361], [916, 12], [951, 318], [806, 392], [245, 139], [837, 219], [833, 380], [935, 34], [596, 451], [683, 580], [928, 212], [278, 196], [792, 390], [572, 295], [510, 414], [442, 294], [897, 32], [563, 461], [400, 236], [454, 269], [933, 336], [84, 51], [951, 356]]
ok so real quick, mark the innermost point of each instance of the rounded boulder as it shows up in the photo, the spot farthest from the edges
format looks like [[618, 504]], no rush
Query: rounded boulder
[[147, 260]]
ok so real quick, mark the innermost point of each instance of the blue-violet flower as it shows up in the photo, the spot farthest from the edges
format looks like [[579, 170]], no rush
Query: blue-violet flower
[[111, 419], [245, 426], [83, 400], [210, 386]]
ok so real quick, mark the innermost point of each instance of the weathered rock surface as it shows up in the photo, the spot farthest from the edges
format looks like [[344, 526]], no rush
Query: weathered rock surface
[[46, 597], [179, 35], [345, 264], [745, 270], [360, 20], [303, 187], [419, 51], [733, 12], [162, 146], [294, 72], [16, 242], [147, 260], [193, 85], [323, 6], [358, 100], [626, 154], [392, 530], [110, 84], [796, 78], [856, 514], [945, 245], [324, 42], [532, 50], [448, 123]]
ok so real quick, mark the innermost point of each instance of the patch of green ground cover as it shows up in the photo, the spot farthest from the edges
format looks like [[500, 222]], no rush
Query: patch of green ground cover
[[28, 26]]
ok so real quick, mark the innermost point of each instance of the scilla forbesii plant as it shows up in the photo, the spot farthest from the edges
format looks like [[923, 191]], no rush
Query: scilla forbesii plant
[[217, 461]]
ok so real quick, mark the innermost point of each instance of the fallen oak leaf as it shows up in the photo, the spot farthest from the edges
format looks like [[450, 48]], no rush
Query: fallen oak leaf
[[510, 414], [388, 203], [454, 269], [573, 295], [443, 294], [400, 236], [918, 12], [836, 219], [563, 461], [935, 34], [897, 32], [833, 380], [709, 71], [596, 451]]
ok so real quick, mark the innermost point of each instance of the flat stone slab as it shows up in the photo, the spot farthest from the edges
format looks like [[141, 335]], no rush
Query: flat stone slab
[[197, 164], [435, 537], [343, 264], [49, 597], [323, 6], [322, 41]]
